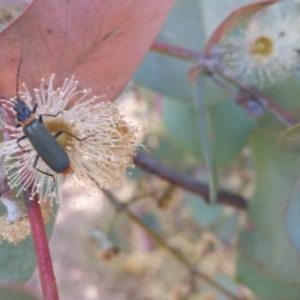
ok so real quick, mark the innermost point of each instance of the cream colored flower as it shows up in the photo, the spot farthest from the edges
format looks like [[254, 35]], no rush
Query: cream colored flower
[[100, 160], [266, 51], [15, 226]]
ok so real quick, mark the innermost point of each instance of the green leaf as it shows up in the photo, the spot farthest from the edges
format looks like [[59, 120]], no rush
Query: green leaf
[[171, 154], [18, 262], [227, 227], [292, 217], [168, 75], [10, 293], [231, 129], [185, 27], [206, 135], [262, 283], [268, 262], [286, 95], [181, 125], [227, 283], [203, 214], [289, 140]]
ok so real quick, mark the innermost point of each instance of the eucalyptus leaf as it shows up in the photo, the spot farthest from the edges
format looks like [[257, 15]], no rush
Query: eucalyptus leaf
[[206, 134], [231, 129], [168, 75], [289, 140], [268, 261], [286, 95], [205, 215], [227, 227], [10, 293], [227, 283], [292, 217]]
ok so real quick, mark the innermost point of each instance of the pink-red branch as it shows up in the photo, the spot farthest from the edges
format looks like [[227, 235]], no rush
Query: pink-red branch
[[199, 59], [41, 246], [174, 51], [187, 183]]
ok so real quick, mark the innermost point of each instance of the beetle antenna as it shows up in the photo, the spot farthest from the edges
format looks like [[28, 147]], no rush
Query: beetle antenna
[[18, 75]]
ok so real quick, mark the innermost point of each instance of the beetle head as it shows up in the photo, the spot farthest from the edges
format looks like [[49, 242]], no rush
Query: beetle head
[[23, 112]]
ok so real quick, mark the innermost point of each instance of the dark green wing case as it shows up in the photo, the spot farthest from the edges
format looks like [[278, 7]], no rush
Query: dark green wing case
[[47, 147]]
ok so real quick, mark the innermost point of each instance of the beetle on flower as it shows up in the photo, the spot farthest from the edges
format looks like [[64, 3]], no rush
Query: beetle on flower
[[99, 155]]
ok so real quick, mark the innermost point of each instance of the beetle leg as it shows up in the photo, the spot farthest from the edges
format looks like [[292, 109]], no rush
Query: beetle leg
[[34, 109], [70, 134], [39, 170], [49, 115], [18, 142]]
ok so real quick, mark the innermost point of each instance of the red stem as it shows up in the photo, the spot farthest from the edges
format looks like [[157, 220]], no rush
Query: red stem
[[40, 241], [39, 236], [175, 51]]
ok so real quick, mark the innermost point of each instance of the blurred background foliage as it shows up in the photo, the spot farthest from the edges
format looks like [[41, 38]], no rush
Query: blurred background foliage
[[268, 241]]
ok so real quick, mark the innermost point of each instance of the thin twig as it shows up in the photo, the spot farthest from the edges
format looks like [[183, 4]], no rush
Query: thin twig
[[136, 198], [41, 246], [175, 51], [192, 56], [277, 111], [148, 164], [160, 241]]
